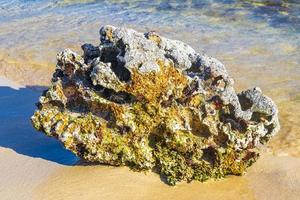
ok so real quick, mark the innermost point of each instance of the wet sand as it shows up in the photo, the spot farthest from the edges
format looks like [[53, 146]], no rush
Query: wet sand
[[36, 167], [270, 178]]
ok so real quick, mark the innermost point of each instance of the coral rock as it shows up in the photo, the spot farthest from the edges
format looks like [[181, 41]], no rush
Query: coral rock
[[149, 102]]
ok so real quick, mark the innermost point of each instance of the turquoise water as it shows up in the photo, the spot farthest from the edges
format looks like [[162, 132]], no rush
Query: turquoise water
[[32, 20], [258, 40]]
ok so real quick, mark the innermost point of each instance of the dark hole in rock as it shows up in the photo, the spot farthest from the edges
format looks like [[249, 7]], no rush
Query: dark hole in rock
[[217, 101], [69, 69], [104, 115], [120, 44], [81, 74], [188, 93], [189, 159], [154, 138], [236, 124], [90, 52], [258, 117], [109, 55], [202, 71], [124, 129], [117, 97], [70, 91], [194, 68], [169, 56], [77, 104], [190, 89], [121, 72], [209, 155], [267, 137], [168, 102], [81, 149], [59, 63], [57, 74], [270, 127], [221, 139], [216, 79], [200, 131], [50, 104], [246, 103], [99, 111]]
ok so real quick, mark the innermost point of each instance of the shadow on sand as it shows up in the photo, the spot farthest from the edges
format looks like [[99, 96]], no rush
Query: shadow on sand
[[17, 133]]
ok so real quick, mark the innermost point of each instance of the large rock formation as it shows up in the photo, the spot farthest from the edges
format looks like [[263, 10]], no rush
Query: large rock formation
[[149, 102]]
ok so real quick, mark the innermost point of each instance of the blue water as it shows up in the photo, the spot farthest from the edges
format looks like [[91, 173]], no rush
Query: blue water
[[276, 13], [257, 40]]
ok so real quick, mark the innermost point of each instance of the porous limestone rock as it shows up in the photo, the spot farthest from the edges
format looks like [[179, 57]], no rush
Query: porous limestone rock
[[149, 102]]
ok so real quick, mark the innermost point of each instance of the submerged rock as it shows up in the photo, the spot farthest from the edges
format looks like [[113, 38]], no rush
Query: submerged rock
[[149, 102]]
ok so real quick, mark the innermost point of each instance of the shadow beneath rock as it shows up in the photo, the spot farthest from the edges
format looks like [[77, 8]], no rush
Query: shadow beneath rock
[[17, 133]]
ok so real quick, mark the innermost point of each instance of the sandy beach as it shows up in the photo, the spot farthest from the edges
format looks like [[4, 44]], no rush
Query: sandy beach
[[45, 170], [258, 43]]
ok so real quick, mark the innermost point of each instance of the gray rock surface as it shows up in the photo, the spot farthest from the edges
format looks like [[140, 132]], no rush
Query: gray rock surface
[[148, 102]]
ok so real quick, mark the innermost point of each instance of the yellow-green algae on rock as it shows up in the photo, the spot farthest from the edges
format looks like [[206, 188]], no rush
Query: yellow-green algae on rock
[[152, 103]]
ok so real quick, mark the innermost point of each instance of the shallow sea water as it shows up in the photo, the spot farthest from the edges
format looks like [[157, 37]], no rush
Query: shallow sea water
[[257, 40]]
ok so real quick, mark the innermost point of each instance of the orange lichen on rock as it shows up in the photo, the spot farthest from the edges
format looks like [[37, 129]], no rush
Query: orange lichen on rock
[[149, 102]]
